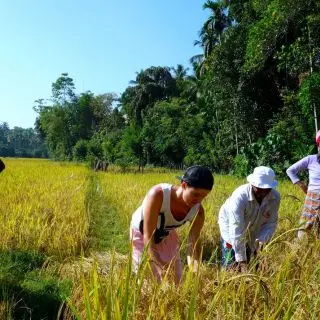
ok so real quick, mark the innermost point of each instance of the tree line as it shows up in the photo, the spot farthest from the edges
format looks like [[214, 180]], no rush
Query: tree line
[[20, 142], [251, 98]]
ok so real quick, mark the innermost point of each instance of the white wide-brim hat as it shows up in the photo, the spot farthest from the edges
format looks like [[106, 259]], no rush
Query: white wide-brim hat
[[262, 177]]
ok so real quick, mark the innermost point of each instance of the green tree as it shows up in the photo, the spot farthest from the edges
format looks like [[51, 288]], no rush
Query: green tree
[[63, 90], [151, 85], [161, 133], [20, 142], [212, 30]]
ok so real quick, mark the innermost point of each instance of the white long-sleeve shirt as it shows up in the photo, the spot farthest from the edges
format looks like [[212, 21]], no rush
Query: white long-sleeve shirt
[[243, 221]]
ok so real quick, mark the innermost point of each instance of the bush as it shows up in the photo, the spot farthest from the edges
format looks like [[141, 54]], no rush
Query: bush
[[80, 150], [241, 166], [126, 160]]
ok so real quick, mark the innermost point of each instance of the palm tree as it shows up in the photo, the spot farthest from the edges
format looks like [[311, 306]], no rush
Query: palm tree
[[211, 31], [218, 21], [150, 85], [180, 72]]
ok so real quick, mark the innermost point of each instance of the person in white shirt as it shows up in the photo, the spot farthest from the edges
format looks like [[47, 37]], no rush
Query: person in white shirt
[[249, 218]]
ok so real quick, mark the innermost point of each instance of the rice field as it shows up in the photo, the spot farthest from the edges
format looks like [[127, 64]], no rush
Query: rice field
[[80, 220], [43, 206]]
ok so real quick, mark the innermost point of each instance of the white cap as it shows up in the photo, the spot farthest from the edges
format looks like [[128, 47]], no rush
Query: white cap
[[262, 177]]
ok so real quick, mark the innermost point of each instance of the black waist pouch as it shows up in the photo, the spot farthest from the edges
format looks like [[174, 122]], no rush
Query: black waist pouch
[[160, 233]]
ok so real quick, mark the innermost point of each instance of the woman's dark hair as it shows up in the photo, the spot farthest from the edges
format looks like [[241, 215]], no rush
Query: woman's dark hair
[[198, 177], [318, 155], [2, 165]]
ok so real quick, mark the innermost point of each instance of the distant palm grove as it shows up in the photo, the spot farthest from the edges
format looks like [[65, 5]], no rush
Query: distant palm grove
[[251, 98]]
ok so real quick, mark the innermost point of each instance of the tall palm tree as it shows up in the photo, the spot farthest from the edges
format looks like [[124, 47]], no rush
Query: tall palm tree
[[212, 30], [218, 20]]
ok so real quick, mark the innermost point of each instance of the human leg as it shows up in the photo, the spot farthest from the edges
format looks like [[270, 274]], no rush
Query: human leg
[[228, 256], [310, 214], [168, 251]]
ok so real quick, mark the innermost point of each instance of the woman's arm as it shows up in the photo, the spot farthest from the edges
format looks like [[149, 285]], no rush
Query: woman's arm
[[193, 254], [150, 217], [294, 169]]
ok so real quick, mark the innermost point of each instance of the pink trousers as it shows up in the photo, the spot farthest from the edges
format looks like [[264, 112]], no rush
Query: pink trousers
[[168, 250]]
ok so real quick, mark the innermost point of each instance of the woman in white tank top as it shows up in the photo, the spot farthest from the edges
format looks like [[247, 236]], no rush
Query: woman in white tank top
[[165, 208]]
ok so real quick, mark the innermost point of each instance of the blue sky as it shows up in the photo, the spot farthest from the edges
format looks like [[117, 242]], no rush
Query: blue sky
[[100, 43]]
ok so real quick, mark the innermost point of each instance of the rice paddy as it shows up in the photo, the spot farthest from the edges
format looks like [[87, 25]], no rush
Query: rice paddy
[[80, 220]]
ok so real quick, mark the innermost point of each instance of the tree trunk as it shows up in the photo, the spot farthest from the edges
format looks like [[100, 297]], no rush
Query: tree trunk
[[235, 125], [311, 71], [217, 119], [315, 117]]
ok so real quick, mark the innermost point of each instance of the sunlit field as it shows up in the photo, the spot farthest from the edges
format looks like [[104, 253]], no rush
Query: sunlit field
[[80, 220], [43, 206]]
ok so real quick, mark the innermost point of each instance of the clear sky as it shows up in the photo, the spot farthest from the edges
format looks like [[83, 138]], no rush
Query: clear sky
[[101, 44]]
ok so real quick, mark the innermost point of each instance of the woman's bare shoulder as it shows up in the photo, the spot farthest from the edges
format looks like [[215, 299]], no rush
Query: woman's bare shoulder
[[155, 192]]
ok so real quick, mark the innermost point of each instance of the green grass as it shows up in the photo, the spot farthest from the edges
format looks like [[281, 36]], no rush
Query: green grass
[[107, 229], [31, 290]]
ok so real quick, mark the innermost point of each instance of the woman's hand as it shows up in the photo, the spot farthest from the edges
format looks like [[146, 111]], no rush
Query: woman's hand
[[303, 186], [193, 264], [243, 266]]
